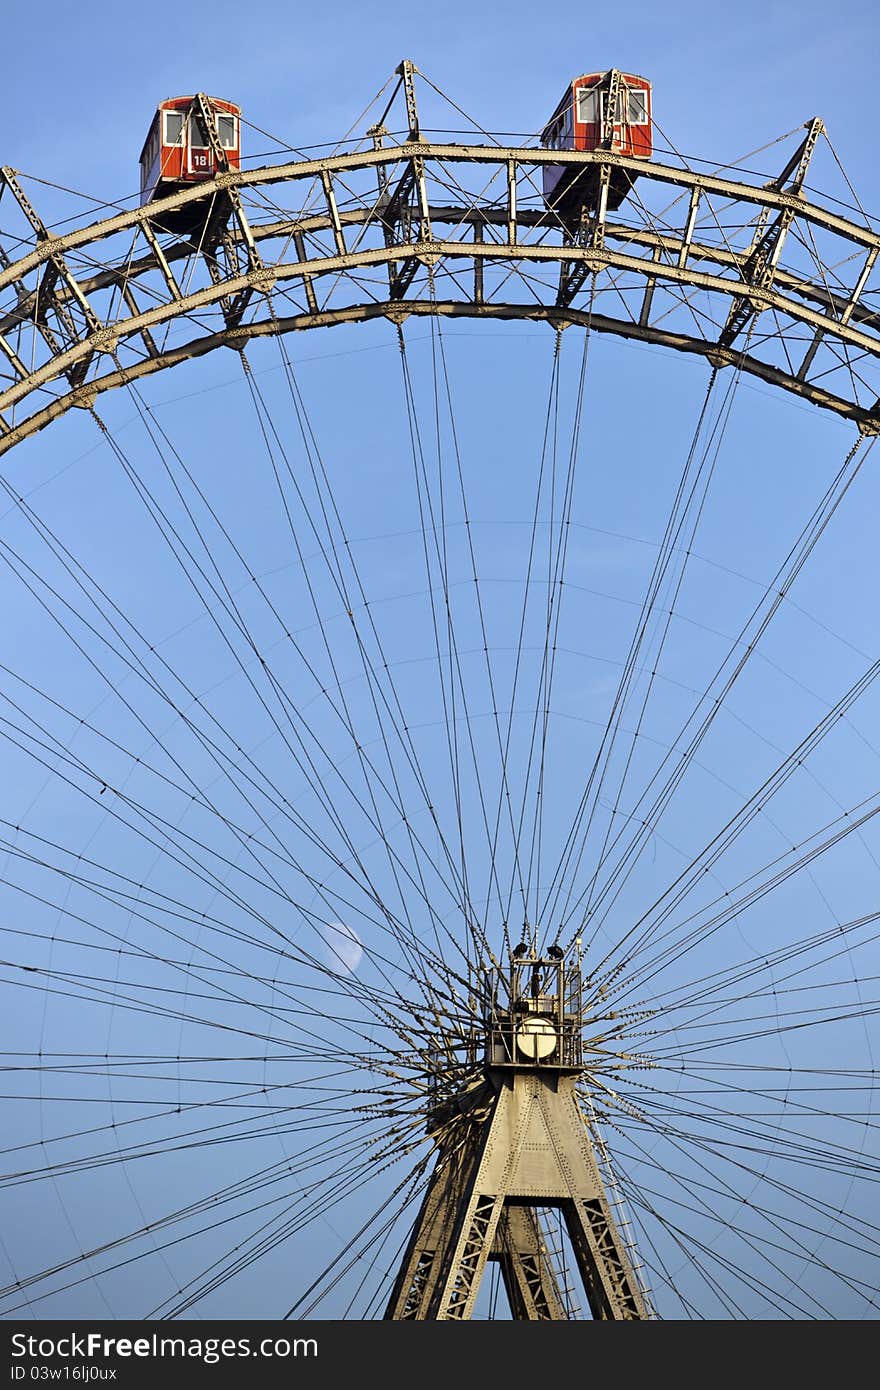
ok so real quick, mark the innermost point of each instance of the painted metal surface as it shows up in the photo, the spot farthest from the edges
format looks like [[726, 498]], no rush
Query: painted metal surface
[[511, 1145], [80, 315]]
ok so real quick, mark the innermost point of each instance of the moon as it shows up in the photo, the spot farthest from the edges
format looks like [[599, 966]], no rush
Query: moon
[[344, 948]]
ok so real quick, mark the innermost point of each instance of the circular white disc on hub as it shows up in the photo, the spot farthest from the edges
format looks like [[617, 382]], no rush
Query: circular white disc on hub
[[536, 1038]]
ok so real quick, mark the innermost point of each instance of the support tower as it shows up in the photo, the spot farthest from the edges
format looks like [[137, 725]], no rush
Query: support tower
[[511, 1143]]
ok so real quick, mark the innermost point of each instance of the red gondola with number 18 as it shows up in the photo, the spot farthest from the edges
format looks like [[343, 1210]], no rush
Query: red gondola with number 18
[[177, 151]]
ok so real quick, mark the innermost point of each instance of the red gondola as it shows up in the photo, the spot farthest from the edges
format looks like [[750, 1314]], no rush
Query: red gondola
[[577, 124], [177, 152]]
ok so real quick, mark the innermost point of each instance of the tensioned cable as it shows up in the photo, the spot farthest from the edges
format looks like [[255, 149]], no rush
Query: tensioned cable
[[517, 879], [575, 843], [651, 921], [429, 527], [309, 768], [393, 711], [263, 663], [772, 1218], [692, 512], [387, 707], [345, 712], [6, 554], [733, 664], [557, 552]]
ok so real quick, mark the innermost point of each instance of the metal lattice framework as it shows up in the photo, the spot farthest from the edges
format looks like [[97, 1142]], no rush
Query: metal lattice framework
[[756, 276]]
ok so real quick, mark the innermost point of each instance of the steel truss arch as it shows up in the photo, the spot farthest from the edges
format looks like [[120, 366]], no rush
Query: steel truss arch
[[80, 312], [756, 278]]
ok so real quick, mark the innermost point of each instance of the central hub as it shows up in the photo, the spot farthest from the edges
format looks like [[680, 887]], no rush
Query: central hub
[[534, 1019]]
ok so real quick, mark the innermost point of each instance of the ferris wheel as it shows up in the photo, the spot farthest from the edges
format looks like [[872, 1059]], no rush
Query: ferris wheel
[[474, 701]]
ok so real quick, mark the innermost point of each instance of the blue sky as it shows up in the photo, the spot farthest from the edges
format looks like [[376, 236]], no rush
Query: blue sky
[[82, 86], [80, 90]]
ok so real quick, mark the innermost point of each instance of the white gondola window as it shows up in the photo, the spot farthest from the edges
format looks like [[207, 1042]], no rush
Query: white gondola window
[[637, 106], [174, 122], [589, 108], [226, 132]]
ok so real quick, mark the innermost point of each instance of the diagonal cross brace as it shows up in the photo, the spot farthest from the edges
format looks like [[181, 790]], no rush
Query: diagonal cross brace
[[44, 297], [397, 209], [762, 258]]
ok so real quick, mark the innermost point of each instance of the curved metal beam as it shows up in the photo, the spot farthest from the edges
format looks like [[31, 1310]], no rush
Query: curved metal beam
[[246, 291], [84, 397]]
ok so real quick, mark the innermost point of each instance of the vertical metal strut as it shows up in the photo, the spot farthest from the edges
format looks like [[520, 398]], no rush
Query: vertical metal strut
[[216, 232]]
